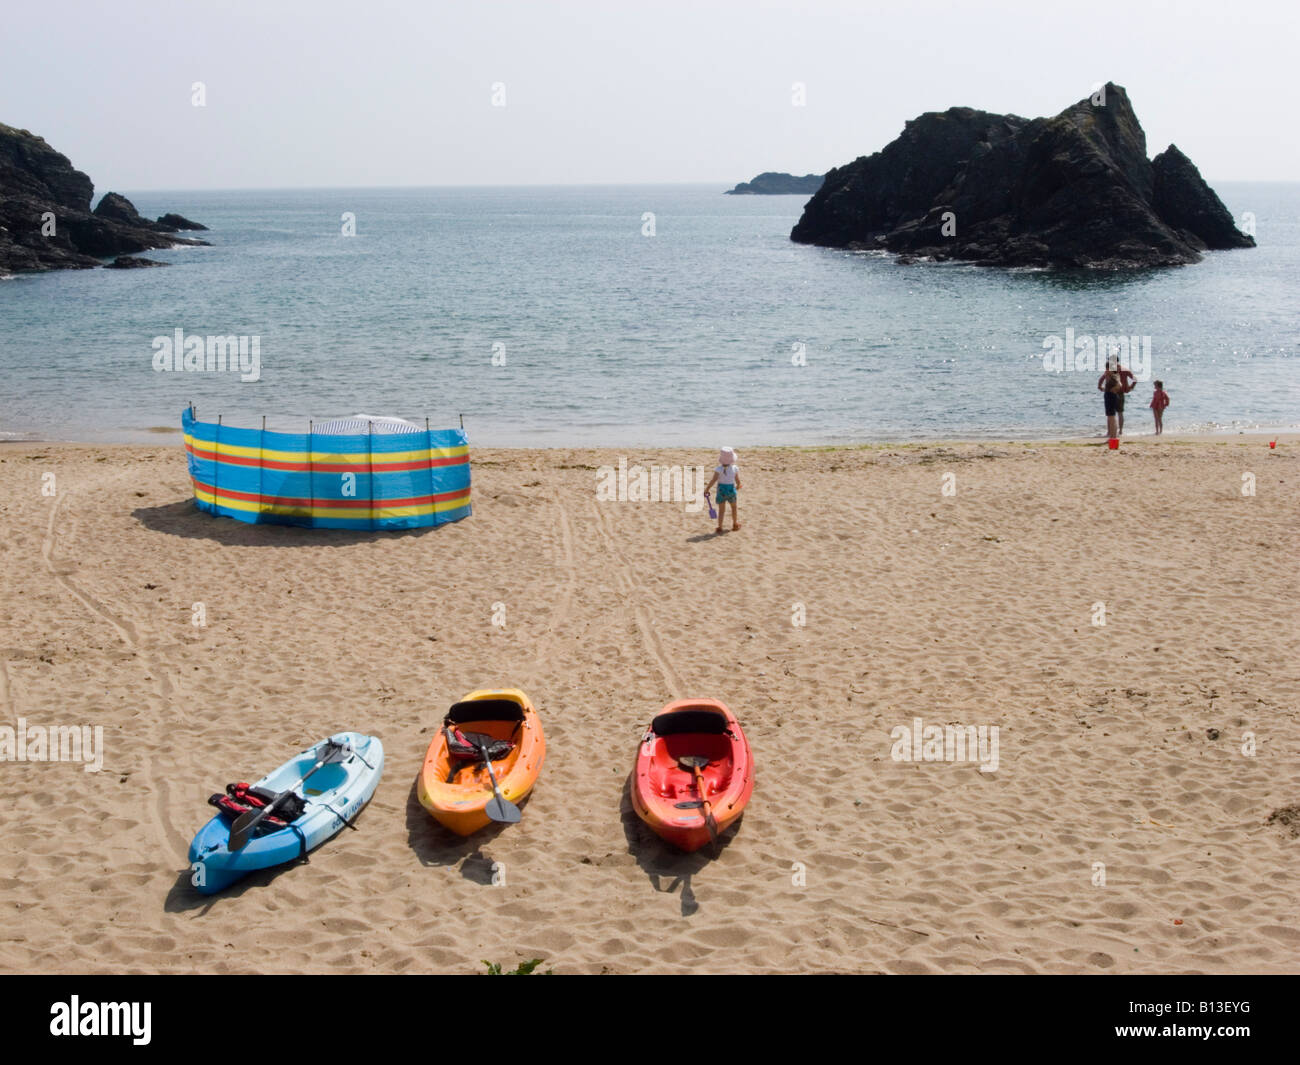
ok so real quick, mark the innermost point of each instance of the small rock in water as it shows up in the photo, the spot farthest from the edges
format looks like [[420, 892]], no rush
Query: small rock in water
[[131, 262], [173, 222]]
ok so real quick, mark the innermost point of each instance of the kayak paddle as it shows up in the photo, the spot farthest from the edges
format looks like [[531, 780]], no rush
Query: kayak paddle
[[692, 763], [499, 809], [242, 830]]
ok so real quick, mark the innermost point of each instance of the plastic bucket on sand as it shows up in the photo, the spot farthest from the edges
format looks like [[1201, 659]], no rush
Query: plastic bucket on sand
[[1113, 444]]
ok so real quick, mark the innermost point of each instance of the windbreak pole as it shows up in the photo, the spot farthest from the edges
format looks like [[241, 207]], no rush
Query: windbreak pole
[[428, 441], [311, 470], [216, 466], [261, 464]]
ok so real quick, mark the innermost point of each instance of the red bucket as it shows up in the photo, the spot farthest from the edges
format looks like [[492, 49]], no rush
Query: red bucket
[[1113, 444]]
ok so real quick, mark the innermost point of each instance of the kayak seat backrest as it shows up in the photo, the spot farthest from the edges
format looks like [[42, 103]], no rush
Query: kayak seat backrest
[[708, 722], [699, 730], [498, 722], [672, 781], [484, 710]]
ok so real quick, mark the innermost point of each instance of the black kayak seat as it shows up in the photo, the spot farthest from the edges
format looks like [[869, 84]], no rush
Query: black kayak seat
[[709, 722], [484, 710]]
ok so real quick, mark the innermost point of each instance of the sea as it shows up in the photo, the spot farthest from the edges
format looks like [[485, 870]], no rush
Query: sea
[[618, 316]]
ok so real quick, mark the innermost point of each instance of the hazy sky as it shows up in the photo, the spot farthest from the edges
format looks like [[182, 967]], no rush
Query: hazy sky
[[401, 93]]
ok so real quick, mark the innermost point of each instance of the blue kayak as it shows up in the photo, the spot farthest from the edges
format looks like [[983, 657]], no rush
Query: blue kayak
[[334, 795]]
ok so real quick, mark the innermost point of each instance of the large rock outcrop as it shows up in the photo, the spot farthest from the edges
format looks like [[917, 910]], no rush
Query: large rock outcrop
[[45, 218], [770, 183], [1076, 190]]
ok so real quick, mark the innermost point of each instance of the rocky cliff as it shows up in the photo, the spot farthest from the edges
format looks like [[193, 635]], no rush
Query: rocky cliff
[[1076, 190], [45, 218]]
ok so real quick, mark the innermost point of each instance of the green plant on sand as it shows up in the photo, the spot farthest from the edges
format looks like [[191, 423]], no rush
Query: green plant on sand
[[524, 968]]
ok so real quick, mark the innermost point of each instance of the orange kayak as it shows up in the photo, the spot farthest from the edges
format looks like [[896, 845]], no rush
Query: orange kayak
[[668, 796], [456, 791]]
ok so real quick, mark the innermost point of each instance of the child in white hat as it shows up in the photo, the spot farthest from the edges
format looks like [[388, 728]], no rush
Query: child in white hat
[[727, 477]]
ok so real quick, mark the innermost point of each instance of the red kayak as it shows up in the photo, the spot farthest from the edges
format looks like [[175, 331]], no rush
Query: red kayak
[[694, 773]]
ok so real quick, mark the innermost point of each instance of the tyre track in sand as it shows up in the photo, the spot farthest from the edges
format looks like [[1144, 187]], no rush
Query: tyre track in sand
[[160, 803], [169, 688], [6, 690], [635, 596], [565, 604]]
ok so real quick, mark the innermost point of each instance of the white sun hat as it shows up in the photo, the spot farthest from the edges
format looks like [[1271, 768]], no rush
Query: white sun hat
[[727, 457]]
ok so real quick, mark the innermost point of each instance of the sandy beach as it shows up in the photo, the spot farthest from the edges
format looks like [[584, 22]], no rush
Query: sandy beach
[[1137, 820]]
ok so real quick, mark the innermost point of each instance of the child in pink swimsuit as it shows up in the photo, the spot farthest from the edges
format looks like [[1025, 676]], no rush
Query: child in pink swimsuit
[[1159, 401]]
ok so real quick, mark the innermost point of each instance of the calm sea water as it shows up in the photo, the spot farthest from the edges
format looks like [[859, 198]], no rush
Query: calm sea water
[[607, 336]]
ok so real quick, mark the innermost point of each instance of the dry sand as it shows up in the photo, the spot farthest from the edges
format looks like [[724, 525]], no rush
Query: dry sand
[[974, 608]]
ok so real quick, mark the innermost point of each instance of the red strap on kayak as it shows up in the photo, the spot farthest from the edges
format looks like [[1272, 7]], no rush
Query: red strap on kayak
[[233, 808]]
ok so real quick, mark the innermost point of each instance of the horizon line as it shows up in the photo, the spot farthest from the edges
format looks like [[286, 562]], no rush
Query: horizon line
[[562, 185]]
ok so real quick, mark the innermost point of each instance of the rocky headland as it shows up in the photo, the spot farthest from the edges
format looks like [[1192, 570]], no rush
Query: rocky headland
[[770, 183], [46, 222]]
